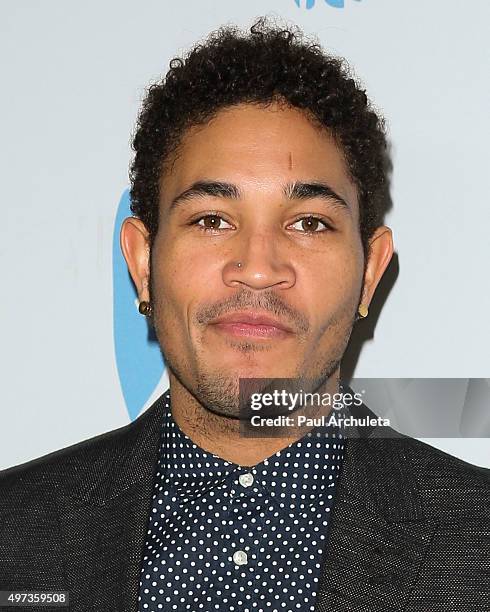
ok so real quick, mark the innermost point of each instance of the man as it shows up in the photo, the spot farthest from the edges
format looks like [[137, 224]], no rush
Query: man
[[258, 188]]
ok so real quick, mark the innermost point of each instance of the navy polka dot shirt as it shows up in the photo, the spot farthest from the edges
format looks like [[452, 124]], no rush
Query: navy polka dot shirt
[[227, 537]]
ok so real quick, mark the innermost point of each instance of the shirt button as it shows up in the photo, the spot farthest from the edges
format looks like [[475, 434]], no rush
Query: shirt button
[[246, 480], [240, 557]]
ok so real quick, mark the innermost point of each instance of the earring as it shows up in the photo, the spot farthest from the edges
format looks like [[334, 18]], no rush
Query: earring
[[363, 311], [144, 308], [239, 264]]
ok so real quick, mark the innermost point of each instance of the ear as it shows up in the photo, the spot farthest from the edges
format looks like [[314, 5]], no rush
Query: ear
[[380, 254], [135, 245]]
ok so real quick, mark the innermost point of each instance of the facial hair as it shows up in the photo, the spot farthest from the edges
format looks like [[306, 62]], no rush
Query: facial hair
[[220, 394]]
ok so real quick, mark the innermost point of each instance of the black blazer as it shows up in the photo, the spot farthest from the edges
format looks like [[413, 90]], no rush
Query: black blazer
[[410, 528]]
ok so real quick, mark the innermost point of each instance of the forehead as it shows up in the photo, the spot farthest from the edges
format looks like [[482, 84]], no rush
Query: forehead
[[259, 147]]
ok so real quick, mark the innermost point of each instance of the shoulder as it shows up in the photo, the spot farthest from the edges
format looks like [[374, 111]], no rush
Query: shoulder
[[448, 486], [34, 496], [78, 467], [415, 477], [434, 462]]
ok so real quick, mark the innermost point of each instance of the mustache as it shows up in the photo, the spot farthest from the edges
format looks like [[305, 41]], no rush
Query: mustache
[[268, 301]]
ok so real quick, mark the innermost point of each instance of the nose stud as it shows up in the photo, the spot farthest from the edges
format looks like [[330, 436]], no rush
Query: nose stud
[[239, 264]]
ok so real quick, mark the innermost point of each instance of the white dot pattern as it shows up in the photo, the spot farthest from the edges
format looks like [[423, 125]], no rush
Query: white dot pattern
[[227, 537]]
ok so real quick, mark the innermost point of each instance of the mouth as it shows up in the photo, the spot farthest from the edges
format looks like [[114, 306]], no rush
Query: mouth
[[251, 324]]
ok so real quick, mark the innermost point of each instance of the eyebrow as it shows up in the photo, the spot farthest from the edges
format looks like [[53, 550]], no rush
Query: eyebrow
[[297, 190]]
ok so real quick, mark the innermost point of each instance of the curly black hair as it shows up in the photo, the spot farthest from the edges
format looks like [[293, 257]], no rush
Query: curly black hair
[[266, 64]]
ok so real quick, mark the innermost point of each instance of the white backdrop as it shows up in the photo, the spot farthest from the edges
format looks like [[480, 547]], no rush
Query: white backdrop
[[72, 80]]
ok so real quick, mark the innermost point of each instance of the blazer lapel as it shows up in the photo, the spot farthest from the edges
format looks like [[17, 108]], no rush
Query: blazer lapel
[[379, 534], [104, 525]]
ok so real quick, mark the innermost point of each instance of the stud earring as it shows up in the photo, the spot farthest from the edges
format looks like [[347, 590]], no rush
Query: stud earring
[[363, 311], [144, 308], [239, 264]]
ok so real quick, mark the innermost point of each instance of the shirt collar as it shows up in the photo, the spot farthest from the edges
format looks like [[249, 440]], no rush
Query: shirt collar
[[294, 477]]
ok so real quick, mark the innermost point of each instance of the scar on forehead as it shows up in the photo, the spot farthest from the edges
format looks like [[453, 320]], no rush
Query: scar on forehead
[[290, 160]]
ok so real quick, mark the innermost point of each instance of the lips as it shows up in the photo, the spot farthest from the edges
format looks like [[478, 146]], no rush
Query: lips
[[251, 322]]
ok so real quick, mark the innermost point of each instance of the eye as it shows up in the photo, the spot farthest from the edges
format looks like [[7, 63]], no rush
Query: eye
[[311, 225], [211, 222]]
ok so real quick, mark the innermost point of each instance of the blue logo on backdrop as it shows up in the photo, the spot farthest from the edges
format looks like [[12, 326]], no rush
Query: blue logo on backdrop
[[311, 3], [138, 358]]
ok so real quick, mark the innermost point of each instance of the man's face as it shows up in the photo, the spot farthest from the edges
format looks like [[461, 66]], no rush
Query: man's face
[[248, 181]]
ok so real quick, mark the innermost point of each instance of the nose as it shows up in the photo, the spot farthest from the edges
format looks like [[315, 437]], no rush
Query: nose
[[264, 263]]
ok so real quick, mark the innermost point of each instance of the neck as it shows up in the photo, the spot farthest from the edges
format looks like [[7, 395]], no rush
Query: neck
[[221, 435]]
